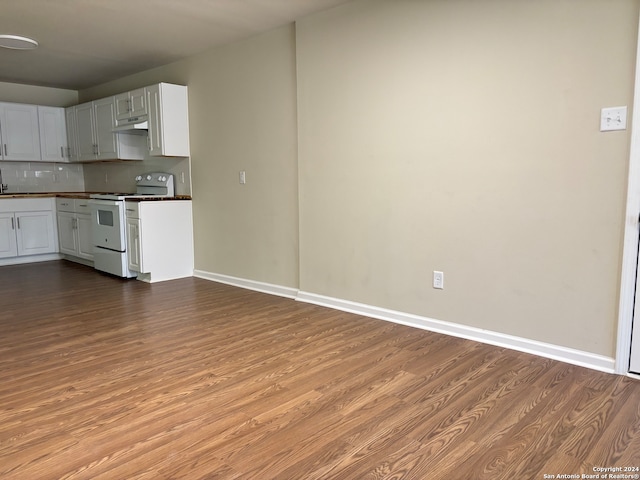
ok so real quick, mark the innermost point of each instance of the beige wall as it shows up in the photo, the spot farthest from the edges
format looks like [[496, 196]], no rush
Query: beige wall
[[432, 135], [35, 95], [242, 113], [463, 137]]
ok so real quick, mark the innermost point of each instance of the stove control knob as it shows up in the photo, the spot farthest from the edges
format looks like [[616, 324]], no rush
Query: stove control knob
[[138, 178], [149, 177], [162, 178]]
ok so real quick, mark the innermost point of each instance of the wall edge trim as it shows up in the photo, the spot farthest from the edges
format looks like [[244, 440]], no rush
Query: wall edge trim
[[255, 285], [547, 350], [555, 352]]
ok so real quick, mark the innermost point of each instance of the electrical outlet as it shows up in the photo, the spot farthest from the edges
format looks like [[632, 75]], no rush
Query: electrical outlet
[[243, 177], [438, 279]]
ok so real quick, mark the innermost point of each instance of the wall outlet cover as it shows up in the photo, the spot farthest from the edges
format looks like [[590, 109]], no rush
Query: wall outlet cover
[[613, 118]]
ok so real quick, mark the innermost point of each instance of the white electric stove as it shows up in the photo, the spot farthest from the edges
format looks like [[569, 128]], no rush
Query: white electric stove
[[109, 221]]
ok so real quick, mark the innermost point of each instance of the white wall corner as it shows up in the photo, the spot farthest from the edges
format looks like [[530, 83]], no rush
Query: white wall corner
[[630, 245], [263, 287]]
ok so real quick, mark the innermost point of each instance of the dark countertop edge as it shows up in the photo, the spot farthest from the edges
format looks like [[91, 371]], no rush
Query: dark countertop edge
[[84, 195], [159, 199]]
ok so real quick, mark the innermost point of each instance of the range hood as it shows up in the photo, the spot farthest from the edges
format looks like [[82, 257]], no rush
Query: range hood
[[133, 124]]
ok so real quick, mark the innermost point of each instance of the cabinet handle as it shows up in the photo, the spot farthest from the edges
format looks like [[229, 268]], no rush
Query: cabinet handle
[[82, 205], [75, 223], [18, 220], [62, 152], [69, 152], [13, 225], [5, 150]]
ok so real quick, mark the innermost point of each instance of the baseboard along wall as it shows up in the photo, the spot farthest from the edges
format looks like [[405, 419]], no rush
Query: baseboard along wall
[[547, 350]]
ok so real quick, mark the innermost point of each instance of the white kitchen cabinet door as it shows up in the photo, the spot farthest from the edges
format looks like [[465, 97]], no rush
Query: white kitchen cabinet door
[[35, 233], [8, 245], [137, 102], [72, 134], [168, 120], [130, 104], [85, 236], [53, 134], [86, 143], [122, 106], [20, 132], [66, 233], [105, 122], [134, 245]]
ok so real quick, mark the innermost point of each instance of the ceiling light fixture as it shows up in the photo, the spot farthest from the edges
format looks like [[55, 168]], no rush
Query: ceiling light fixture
[[16, 42]]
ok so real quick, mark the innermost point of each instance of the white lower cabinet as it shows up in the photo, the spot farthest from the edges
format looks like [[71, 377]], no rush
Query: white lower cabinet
[[27, 228], [74, 228], [35, 233], [8, 242], [67, 233], [85, 237], [160, 239], [134, 245]]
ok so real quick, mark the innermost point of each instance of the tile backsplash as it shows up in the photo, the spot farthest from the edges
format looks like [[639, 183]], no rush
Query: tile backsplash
[[34, 177], [120, 176]]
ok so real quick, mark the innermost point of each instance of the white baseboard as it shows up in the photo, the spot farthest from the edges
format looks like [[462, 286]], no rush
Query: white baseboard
[[547, 350], [278, 290]]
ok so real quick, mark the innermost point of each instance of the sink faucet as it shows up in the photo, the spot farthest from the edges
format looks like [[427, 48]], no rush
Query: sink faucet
[[3, 186]]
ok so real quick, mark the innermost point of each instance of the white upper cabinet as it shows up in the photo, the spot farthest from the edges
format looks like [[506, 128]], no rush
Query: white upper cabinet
[[130, 104], [72, 134], [94, 124], [99, 130], [86, 142], [168, 120], [105, 122], [19, 133], [53, 134]]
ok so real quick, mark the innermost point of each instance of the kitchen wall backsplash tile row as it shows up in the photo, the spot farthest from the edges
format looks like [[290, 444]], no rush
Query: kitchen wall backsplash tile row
[[120, 176], [35, 177]]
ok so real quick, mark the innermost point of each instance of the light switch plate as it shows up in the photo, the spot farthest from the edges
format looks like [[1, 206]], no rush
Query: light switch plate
[[613, 118]]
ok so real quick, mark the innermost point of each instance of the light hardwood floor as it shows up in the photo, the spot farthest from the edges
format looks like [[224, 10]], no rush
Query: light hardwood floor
[[104, 378]]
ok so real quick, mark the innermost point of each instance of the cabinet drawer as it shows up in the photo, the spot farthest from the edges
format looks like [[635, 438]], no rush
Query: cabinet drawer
[[132, 209], [82, 206], [65, 205]]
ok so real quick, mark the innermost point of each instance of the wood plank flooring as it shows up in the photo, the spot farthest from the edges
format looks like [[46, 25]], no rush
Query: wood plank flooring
[[104, 378]]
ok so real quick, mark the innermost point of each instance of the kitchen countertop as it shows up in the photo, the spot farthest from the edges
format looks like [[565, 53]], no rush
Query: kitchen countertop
[[46, 195], [158, 199], [85, 195]]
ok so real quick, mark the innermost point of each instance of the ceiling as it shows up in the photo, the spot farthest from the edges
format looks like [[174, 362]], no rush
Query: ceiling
[[88, 42]]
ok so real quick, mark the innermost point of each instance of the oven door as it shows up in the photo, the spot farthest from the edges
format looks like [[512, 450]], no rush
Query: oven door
[[108, 224]]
